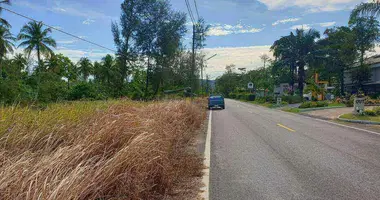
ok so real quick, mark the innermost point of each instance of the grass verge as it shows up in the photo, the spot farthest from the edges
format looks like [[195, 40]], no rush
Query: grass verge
[[292, 110], [359, 117], [99, 150]]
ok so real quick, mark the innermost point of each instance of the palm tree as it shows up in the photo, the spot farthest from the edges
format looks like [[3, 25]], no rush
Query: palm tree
[[85, 68], [3, 21], [297, 50], [34, 37], [365, 9], [6, 45]]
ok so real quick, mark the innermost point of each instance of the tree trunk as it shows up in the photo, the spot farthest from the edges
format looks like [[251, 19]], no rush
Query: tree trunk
[[291, 80], [301, 79], [38, 72], [1, 68], [147, 79], [342, 81]]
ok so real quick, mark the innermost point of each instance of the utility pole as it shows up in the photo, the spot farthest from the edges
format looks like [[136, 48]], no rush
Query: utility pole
[[193, 64]]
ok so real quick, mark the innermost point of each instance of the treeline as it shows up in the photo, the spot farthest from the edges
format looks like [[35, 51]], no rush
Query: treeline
[[150, 59], [334, 54]]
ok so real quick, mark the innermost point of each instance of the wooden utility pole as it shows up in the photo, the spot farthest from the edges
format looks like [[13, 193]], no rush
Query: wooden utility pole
[[193, 63]]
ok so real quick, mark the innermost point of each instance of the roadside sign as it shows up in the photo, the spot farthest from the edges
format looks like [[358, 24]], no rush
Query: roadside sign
[[359, 105], [279, 100], [250, 85]]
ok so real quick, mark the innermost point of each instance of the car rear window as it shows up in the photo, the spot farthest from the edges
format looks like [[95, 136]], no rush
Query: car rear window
[[216, 97]]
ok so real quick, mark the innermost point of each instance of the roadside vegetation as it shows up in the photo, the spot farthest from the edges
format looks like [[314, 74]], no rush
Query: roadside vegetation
[[100, 150], [151, 57], [303, 55], [368, 115]]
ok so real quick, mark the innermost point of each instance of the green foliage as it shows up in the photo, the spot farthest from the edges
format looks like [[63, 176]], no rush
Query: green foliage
[[376, 110], [313, 104], [83, 90], [370, 113], [292, 99]]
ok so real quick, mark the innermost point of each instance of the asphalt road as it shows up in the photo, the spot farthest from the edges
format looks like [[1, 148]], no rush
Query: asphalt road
[[258, 153]]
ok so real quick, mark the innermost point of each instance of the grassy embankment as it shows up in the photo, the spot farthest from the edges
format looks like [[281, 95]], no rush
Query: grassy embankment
[[361, 117], [100, 150]]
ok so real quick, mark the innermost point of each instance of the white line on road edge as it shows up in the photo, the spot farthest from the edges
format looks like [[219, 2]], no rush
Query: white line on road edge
[[359, 129], [337, 124], [206, 172]]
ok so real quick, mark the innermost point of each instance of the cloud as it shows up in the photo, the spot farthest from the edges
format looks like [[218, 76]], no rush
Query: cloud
[[311, 5], [327, 24], [66, 41], [302, 26], [73, 9], [246, 57], [309, 26], [227, 29], [88, 21], [284, 21]]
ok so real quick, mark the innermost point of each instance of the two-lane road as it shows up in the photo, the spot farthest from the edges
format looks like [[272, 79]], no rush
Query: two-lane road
[[258, 153]]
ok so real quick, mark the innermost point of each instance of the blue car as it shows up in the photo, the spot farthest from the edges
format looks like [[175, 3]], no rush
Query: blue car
[[216, 102]]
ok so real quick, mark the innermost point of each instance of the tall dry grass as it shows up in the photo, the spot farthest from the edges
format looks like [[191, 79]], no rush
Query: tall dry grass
[[87, 150]]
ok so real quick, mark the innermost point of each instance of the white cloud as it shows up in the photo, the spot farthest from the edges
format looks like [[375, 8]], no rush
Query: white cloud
[[58, 9], [327, 24], [246, 57], [218, 31], [66, 41], [284, 21], [88, 21], [227, 29], [302, 26], [311, 5]]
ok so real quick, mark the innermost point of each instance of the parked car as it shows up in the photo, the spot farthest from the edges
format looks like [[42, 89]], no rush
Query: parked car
[[216, 101]]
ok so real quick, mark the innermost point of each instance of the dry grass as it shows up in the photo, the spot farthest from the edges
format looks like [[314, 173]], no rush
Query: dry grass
[[101, 150]]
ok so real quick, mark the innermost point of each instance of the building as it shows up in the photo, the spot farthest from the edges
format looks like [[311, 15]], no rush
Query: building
[[370, 87]]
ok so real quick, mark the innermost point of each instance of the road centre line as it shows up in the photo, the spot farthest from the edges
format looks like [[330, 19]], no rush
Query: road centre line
[[287, 128]]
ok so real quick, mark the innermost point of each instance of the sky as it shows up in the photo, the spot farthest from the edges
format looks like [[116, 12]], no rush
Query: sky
[[241, 30]]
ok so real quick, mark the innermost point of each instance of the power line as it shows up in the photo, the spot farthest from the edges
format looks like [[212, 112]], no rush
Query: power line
[[190, 11], [64, 32], [196, 8]]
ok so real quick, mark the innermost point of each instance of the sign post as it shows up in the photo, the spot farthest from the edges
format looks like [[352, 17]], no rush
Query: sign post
[[279, 100], [358, 105], [251, 87]]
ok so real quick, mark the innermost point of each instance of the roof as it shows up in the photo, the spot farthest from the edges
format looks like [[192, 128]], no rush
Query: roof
[[373, 61]]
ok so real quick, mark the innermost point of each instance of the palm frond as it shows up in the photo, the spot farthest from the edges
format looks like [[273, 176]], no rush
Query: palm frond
[[365, 9]]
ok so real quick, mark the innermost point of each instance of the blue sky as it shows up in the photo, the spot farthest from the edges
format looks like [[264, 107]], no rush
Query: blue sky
[[241, 30]]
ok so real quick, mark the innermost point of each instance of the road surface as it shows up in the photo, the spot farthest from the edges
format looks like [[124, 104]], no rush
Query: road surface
[[258, 153]]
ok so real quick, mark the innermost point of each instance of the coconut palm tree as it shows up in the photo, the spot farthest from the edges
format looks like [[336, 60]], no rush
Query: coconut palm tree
[[6, 45], [297, 51], [85, 68], [35, 37], [3, 21], [366, 9]]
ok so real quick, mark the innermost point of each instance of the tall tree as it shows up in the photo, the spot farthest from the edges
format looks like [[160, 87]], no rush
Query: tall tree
[[35, 37], [297, 49], [6, 45], [4, 22], [366, 32], [85, 68], [339, 52]]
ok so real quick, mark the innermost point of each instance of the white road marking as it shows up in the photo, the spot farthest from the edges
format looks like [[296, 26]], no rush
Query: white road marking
[[337, 124], [207, 162]]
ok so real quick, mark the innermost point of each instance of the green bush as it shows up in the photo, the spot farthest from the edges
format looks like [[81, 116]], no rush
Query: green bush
[[83, 90], [322, 104], [370, 113], [349, 101], [292, 99], [305, 105], [251, 97], [376, 110], [232, 96]]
